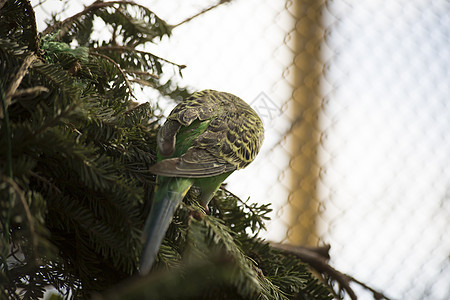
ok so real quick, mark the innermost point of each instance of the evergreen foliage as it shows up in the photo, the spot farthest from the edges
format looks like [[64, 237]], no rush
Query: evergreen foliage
[[74, 187]]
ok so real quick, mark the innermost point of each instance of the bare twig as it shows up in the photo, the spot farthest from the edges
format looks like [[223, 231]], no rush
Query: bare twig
[[142, 82], [304, 252], [318, 263], [142, 73], [376, 294], [318, 260], [39, 3], [200, 13], [29, 91], [17, 80]]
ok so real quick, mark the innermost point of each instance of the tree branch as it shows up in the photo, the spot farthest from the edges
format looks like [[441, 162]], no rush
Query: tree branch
[[69, 20], [201, 13], [142, 73], [2, 3], [17, 80], [317, 258], [30, 222], [94, 6], [30, 91], [46, 181], [125, 48], [118, 67]]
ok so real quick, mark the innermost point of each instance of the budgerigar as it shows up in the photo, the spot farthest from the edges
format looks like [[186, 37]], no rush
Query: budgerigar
[[205, 138]]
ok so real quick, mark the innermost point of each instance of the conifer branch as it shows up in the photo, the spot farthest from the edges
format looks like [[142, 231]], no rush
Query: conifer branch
[[142, 73], [64, 24], [31, 91], [52, 121], [125, 49], [30, 220], [17, 80], [70, 20], [118, 68], [9, 166], [319, 263], [141, 82], [46, 181], [239, 199], [32, 21]]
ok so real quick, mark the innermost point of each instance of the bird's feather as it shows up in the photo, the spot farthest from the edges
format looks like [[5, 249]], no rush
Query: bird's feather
[[206, 137], [195, 163], [169, 192]]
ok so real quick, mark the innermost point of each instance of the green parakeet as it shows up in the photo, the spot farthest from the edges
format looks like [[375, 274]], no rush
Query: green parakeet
[[205, 138]]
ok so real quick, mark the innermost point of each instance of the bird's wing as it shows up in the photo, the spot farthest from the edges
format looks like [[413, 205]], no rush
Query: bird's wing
[[199, 106], [195, 163], [231, 141], [233, 137]]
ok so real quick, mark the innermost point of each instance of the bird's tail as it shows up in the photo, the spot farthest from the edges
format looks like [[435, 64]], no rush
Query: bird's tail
[[169, 193]]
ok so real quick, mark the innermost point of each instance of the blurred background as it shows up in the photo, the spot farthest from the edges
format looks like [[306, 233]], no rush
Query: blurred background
[[354, 96]]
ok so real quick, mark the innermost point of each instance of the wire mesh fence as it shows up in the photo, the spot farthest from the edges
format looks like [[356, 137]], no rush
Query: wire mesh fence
[[353, 95]]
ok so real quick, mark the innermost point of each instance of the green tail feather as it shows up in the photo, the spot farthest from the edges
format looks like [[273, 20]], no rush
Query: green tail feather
[[168, 195]]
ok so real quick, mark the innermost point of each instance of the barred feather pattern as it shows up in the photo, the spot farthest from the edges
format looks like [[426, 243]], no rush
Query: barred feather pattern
[[231, 141]]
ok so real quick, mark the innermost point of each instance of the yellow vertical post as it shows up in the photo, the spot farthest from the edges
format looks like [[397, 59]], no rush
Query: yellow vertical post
[[305, 133]]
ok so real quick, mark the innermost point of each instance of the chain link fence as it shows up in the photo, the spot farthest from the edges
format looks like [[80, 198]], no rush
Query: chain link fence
[[353, 95]]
